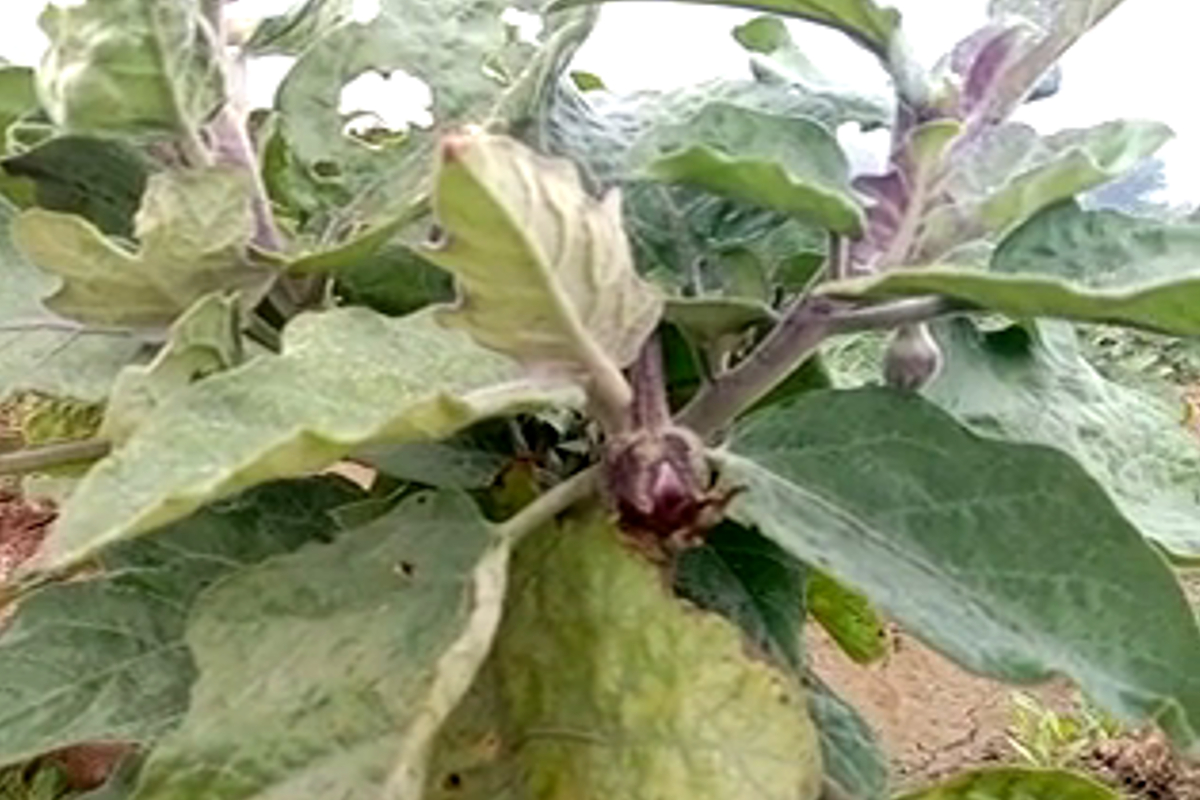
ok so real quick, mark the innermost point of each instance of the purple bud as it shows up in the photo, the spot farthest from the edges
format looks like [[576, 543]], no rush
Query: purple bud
[[913, 358]]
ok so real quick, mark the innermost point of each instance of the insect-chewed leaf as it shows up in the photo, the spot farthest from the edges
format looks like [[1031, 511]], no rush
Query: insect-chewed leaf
[[604, 686], [544, 269]]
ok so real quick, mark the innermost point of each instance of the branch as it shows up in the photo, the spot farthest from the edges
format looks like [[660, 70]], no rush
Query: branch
[[650, 408], [550, 504], [40, 459], [806, 325]]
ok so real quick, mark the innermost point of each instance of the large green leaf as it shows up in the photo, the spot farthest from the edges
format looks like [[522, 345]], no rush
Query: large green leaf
[[194, 228], [346, 378], [1016, 783], [101, 180], [867, 23], [1033, 385], [104, 658], [544, 270], [130, 66], [461, 49], [323, 670], [788, 164], [854, 762], [1104, 249], [1172, 307], [603, 685], [1009, 558], [42, 353]]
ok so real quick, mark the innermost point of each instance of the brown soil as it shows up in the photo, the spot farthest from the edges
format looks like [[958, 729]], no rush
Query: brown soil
[[934, 719]]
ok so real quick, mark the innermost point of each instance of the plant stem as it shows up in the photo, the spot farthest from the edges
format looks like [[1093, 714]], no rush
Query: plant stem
[[650, 408], [806, 325], [794, 339], [38, 459], [550, 504]]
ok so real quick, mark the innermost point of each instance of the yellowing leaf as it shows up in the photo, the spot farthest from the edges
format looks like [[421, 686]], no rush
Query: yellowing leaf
[[603, 686], [544, 269], [194, 228]]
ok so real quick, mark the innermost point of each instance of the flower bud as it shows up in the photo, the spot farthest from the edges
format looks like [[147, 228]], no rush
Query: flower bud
[[913, 358]]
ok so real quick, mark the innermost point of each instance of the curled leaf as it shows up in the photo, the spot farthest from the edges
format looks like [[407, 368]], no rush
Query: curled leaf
[[544, 270]]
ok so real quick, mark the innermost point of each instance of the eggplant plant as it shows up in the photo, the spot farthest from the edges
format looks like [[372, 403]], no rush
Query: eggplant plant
[[633, 388]]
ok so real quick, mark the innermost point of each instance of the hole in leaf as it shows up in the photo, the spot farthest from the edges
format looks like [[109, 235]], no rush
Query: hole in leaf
[[364, 11], [406, 568], [263, 76], [437, 238], [380, 107], [453, 781], [528, 25]]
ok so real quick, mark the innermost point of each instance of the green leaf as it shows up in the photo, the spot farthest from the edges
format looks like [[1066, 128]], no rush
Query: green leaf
[[454, 46], [708, 320], [776, 58], [39, 352], [867, 23], [1081, 160], [322, 670], [101, 180], [291, 33], [587, 81], [1100, 248], [130, 67], [603, 685], [1001, 384], [470, 459], [205, 340], [788, 164], [1016, 783], [747, 578], [103, 658], [381, 270], [544, 270], [194, 228], [847, 616], [852, 757], [346, 378], [1008, 558], [1172, 307]]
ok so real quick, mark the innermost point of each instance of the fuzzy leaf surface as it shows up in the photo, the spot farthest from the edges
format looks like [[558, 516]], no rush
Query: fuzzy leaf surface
[[346, 378], [604, 685], [1009, 558], [104, 658], [319, 669], [544, 270], [123, 67], [194, 227]]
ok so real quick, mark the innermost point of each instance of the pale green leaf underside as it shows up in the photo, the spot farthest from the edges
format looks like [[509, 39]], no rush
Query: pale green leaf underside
[[1015, 783], [1007, 557], [602, 685], [346, 378], [57, 361], [130, 66], [194, 228], [1039, 389], [104, 658], [544, 270], [862, 20], [320, 669], [1166, 307]]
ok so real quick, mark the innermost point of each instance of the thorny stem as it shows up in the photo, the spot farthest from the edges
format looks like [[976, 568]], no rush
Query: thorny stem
[[38, 459], [809, 321]]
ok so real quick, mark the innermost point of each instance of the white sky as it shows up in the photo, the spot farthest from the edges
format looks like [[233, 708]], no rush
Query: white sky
[[1136, 64]]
